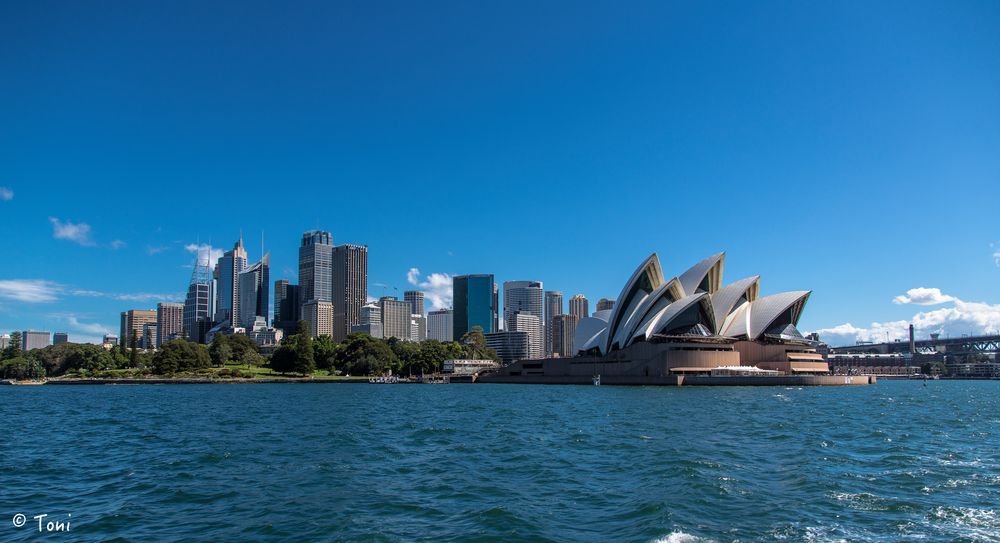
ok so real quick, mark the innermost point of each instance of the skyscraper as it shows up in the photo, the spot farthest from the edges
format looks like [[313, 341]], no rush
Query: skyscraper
[[369, 321], [579, 306], [227, 275], [418, 327], [132, 322], [395, 317], [564, 333], [315, 267], [59, 338], [350, 287], [525, 297], [605, 304], [33, 339], [475, 304], [199, 306], [319, 316], [553, 307], [169, 322], [287, 309], [255, 293], [522, 321], [150, 336], [441, 325], [416, 299], [510, 346]]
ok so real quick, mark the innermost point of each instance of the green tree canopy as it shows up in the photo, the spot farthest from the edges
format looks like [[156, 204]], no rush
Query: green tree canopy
[[180, 355], [21, 367]]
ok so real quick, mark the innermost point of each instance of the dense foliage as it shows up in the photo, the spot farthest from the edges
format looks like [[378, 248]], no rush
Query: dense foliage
[[21, 367], [180, 355]]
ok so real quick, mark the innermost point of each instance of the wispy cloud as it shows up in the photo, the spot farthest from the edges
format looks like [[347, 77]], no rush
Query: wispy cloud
[[76, 232], [6, 194], [118, 244], [436, 287], [32, 291], [206, 253], [959, 318], [147, 297], [77, 325], [155, 249], [923, 296]]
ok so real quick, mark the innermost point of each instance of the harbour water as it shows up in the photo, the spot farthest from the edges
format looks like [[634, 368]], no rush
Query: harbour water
[[898, 461]]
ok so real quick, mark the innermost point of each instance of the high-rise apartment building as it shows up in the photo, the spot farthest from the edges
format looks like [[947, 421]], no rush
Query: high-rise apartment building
[[476, 304], [553, 307], [227, 276], [395, 317], [59, 338], [527, 298], [605, 304], [255, 293], [319, 316], [132, 322], [287, 309], [169, 322], [441, 325], [532, 325], [34, 339], [315, 267], [350, 287], [563, 334], [579, 306], [416, 299]]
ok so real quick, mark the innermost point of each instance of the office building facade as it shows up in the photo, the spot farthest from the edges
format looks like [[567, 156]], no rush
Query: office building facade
[[416, 300], [532, 325], [440, 325], [395, 317], [350, 287], [476, 304], [510, 346], [319, 317], [287, 309], [255, 292], [199, 305], [553, 307], [132, 322], [227, 277], [605, 304], [169, 322], [34, 339], [59, 338], [315, 267], [564, 334]]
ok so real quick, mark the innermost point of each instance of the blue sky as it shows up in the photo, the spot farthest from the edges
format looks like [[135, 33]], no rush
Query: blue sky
[[847, 148]]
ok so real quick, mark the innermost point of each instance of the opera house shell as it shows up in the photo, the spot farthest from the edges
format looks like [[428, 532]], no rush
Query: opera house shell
[[661, 329]]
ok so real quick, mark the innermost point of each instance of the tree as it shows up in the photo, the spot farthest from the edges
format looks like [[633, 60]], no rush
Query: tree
[[361, 354], [220, 350], [283, 359], [475, 346], [251, 358], [305, 363], [21, 367], [324, 352], [240, 345], [408, 354], [133, 354], [13, 349], [59, 359], [180, 355]]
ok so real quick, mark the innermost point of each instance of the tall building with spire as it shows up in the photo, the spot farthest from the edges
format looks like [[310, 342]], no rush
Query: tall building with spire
[[227, 275], [199, 304], [350, 287], [254, 285]]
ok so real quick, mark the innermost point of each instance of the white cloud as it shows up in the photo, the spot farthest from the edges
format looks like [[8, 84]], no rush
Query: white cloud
[[118, 244], [206, 253], [29, 290], [154, 250], [996, 258], [436, 287], [959, 318], [923, 296], [79, 233], [147, 297], [6, 194]]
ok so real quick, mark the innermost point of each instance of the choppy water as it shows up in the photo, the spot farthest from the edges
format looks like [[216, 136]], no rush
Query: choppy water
[[894, 462]]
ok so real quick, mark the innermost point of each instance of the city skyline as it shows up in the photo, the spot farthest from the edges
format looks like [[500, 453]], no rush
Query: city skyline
[[872, 153]]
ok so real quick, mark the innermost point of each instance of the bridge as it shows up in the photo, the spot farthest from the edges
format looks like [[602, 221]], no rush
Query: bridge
[[989, 344]]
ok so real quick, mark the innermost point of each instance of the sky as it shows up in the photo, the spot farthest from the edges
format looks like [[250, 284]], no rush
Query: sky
[[848, 148]]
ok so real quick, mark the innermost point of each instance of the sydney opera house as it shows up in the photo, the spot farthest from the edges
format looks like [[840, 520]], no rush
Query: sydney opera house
[[690, 329]]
